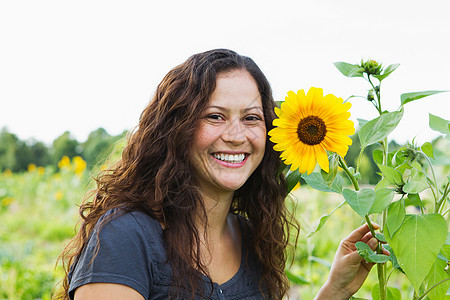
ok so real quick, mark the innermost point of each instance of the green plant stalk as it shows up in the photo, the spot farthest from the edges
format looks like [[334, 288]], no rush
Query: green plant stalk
[[377, 93], [358, 161], [343, 165], [439, 205], [445, 212], [427, 291], [380, 267], [436, 193]]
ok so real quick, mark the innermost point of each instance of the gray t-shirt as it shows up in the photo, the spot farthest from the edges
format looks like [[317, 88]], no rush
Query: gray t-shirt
[[131, 252]]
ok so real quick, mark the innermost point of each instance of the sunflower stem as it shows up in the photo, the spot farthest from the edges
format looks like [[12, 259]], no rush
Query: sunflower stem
[[380, 267], [377, 93], [358, 161], [439, 205], [381, 271], [436, 195], [426, 292], [343, 165]]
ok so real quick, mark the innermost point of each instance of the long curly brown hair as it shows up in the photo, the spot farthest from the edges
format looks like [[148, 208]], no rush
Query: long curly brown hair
[[155, 176]]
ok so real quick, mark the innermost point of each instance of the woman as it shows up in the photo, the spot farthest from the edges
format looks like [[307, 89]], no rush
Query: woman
[[194, 209]]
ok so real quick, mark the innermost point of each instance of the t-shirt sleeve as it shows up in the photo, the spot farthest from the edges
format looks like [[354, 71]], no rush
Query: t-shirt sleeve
[[121, 256]]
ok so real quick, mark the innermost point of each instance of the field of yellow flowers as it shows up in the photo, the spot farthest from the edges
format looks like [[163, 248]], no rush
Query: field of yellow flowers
[[38, 214]]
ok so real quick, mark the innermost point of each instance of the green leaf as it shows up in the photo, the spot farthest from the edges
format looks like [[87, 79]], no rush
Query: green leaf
[[442, 257], [296, 279], [320, 261], [399, 156], [382, 184], [427, 148], [438, 124], [369, 255], [324, 219], [361, 122], [349, 70], [360, 201], [316, 181], [416, 183], [445, 251], [377, 156], [416, 165], [414, 199], [390, 159], [391, 174], [377, 129], [436, 275], [382, 199], [292, 179], [417, 243], [392, 293], [395, 216], [387, 72], [408, 97], [393, 258], [380, 237], [329, 177]]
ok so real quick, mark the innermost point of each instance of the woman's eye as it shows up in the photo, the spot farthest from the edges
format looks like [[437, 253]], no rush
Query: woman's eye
[[214, 117], [252, 118]]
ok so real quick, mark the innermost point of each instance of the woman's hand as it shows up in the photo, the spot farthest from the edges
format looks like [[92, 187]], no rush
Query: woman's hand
[[349, 269]]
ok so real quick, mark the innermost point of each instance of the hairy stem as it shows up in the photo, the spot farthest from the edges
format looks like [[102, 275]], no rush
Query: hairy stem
[[427, 291], [343, 165], [382, 281], [442, 199], [445, 212], [377, 94], [380, 267], [436, 193]]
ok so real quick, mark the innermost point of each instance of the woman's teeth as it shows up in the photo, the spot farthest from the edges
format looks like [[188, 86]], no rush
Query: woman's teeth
[[230, 158]]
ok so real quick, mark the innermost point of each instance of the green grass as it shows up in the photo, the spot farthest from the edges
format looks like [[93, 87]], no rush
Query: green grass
[[38, 212]]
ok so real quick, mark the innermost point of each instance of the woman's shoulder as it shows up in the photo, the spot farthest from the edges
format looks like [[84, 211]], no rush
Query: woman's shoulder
[[128, 220], [121, 249], [117, 224]]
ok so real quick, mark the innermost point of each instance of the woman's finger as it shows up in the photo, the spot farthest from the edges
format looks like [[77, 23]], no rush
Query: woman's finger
[[360, 232]]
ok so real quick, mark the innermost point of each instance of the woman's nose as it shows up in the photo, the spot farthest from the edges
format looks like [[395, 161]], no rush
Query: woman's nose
[[234, 132]]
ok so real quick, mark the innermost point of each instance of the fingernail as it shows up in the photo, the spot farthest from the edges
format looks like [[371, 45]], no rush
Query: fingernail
[[372, 242]]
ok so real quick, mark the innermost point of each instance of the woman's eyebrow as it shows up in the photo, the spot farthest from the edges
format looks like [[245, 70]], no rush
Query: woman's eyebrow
[[253, 107], [244, 110]]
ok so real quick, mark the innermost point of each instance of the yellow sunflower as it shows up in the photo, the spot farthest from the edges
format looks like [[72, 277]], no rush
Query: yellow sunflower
[[308, 125]]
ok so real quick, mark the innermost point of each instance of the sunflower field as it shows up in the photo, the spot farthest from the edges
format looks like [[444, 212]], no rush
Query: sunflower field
[[335, 187], [38, 213]]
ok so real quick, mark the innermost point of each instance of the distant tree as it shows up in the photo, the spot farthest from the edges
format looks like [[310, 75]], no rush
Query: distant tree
[[9, 144], [65, 145], [40, 154], [98, 146], [23, 156]]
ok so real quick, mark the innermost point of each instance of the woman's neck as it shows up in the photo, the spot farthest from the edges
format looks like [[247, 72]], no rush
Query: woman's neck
[[217, 209]]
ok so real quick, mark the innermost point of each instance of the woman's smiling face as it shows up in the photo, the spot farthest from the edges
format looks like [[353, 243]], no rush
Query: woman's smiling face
[[229, 143]]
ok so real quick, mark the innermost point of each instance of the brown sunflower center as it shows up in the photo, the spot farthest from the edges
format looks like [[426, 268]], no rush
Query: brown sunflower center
[[311, 130]]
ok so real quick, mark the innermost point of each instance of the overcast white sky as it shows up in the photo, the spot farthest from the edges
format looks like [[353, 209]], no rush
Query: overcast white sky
[[80, 65]]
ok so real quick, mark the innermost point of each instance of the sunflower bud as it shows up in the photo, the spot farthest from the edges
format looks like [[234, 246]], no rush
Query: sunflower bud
[[370, 96], [371, 67]]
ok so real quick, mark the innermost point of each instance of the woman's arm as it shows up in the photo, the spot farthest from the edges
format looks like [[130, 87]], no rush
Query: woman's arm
[[349, 269], [106, 291]]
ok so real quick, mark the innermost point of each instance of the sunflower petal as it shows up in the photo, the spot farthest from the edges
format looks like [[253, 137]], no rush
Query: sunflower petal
[[322, 158]]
